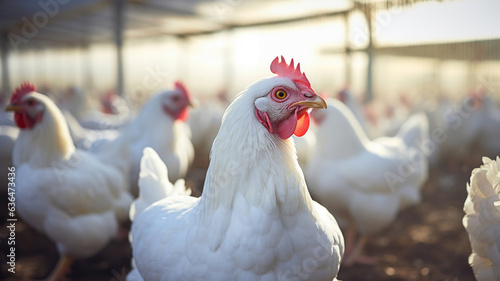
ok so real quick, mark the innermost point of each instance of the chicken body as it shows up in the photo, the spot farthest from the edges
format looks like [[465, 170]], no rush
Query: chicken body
[[489, 118], [167, 135], [82, 106], [204, 122], [89, 139], [8, 136], [305, 146], [346, 97], [75, 198], [255, 219], [368, 181], [462, 125], [482, 220], [365, 183]]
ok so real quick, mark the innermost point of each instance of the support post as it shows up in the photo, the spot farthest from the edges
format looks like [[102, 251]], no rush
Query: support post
[[119, 10], [4, 49], [347, 51], [228, 60], [369, 52], [88, 79]]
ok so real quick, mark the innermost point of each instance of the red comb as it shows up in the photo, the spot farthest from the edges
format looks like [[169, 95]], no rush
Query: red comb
[[282, 69], [180, 87], [25, 88]]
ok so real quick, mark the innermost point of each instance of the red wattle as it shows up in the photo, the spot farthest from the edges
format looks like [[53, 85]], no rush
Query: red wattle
[[23, 121], [287, 126], [184, 115], [293, 125], [107, 110], [302, 125], [18, 118]]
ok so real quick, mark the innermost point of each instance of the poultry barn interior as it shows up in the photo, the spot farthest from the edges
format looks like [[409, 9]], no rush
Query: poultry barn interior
[[419, 75]]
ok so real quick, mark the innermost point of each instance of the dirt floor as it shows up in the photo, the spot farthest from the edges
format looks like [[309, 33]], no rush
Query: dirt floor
[[426, 242]]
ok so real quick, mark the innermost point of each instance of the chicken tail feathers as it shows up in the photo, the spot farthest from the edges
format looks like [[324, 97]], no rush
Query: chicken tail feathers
[[154, 183]]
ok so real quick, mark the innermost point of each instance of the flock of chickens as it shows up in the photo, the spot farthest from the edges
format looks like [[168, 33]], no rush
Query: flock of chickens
[[81, 173]]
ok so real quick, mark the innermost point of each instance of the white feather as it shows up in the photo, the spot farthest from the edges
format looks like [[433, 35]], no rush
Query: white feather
[[482, 220], [154, 183]]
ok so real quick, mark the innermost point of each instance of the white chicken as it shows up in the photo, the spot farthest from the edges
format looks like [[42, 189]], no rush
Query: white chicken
[[305, 146], [80, 105], [160, 124], [89, 139], [8, 136], [354, 105], [482, 220], [365, 183], [461, 128], [255, 219], [435, 110], [112, 103], [75, 198], [489, 118], [204, 122]]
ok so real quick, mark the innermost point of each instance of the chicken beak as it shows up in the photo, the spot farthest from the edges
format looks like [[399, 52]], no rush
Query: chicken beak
[[317, 102], [12, 107]]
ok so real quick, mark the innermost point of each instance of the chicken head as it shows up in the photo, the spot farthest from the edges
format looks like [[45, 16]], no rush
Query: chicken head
[[28, 109], [285, 108], [175, 103]]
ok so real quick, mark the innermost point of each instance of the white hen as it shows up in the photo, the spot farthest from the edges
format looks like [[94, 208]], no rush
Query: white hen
[[8, 136], [346, 97], [489, 135], [365, 183], [305, 146], [81, 105], [255, 219], [482, 220], [160, 124], [462, 125], [89, 139], [204, 122], [74, 198]]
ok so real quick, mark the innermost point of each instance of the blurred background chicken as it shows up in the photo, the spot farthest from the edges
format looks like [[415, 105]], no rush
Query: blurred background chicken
[[204, 122], [487, 140], [85, 108], [75, 198], [346, 97], [362, 182], [161, 125]]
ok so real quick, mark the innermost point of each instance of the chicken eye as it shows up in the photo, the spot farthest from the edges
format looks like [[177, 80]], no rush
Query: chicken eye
[[280, 94], [31, 102]]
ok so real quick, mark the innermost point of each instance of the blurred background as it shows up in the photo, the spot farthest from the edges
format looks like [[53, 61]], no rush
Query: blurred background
[[396, 58], [381, 49]]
